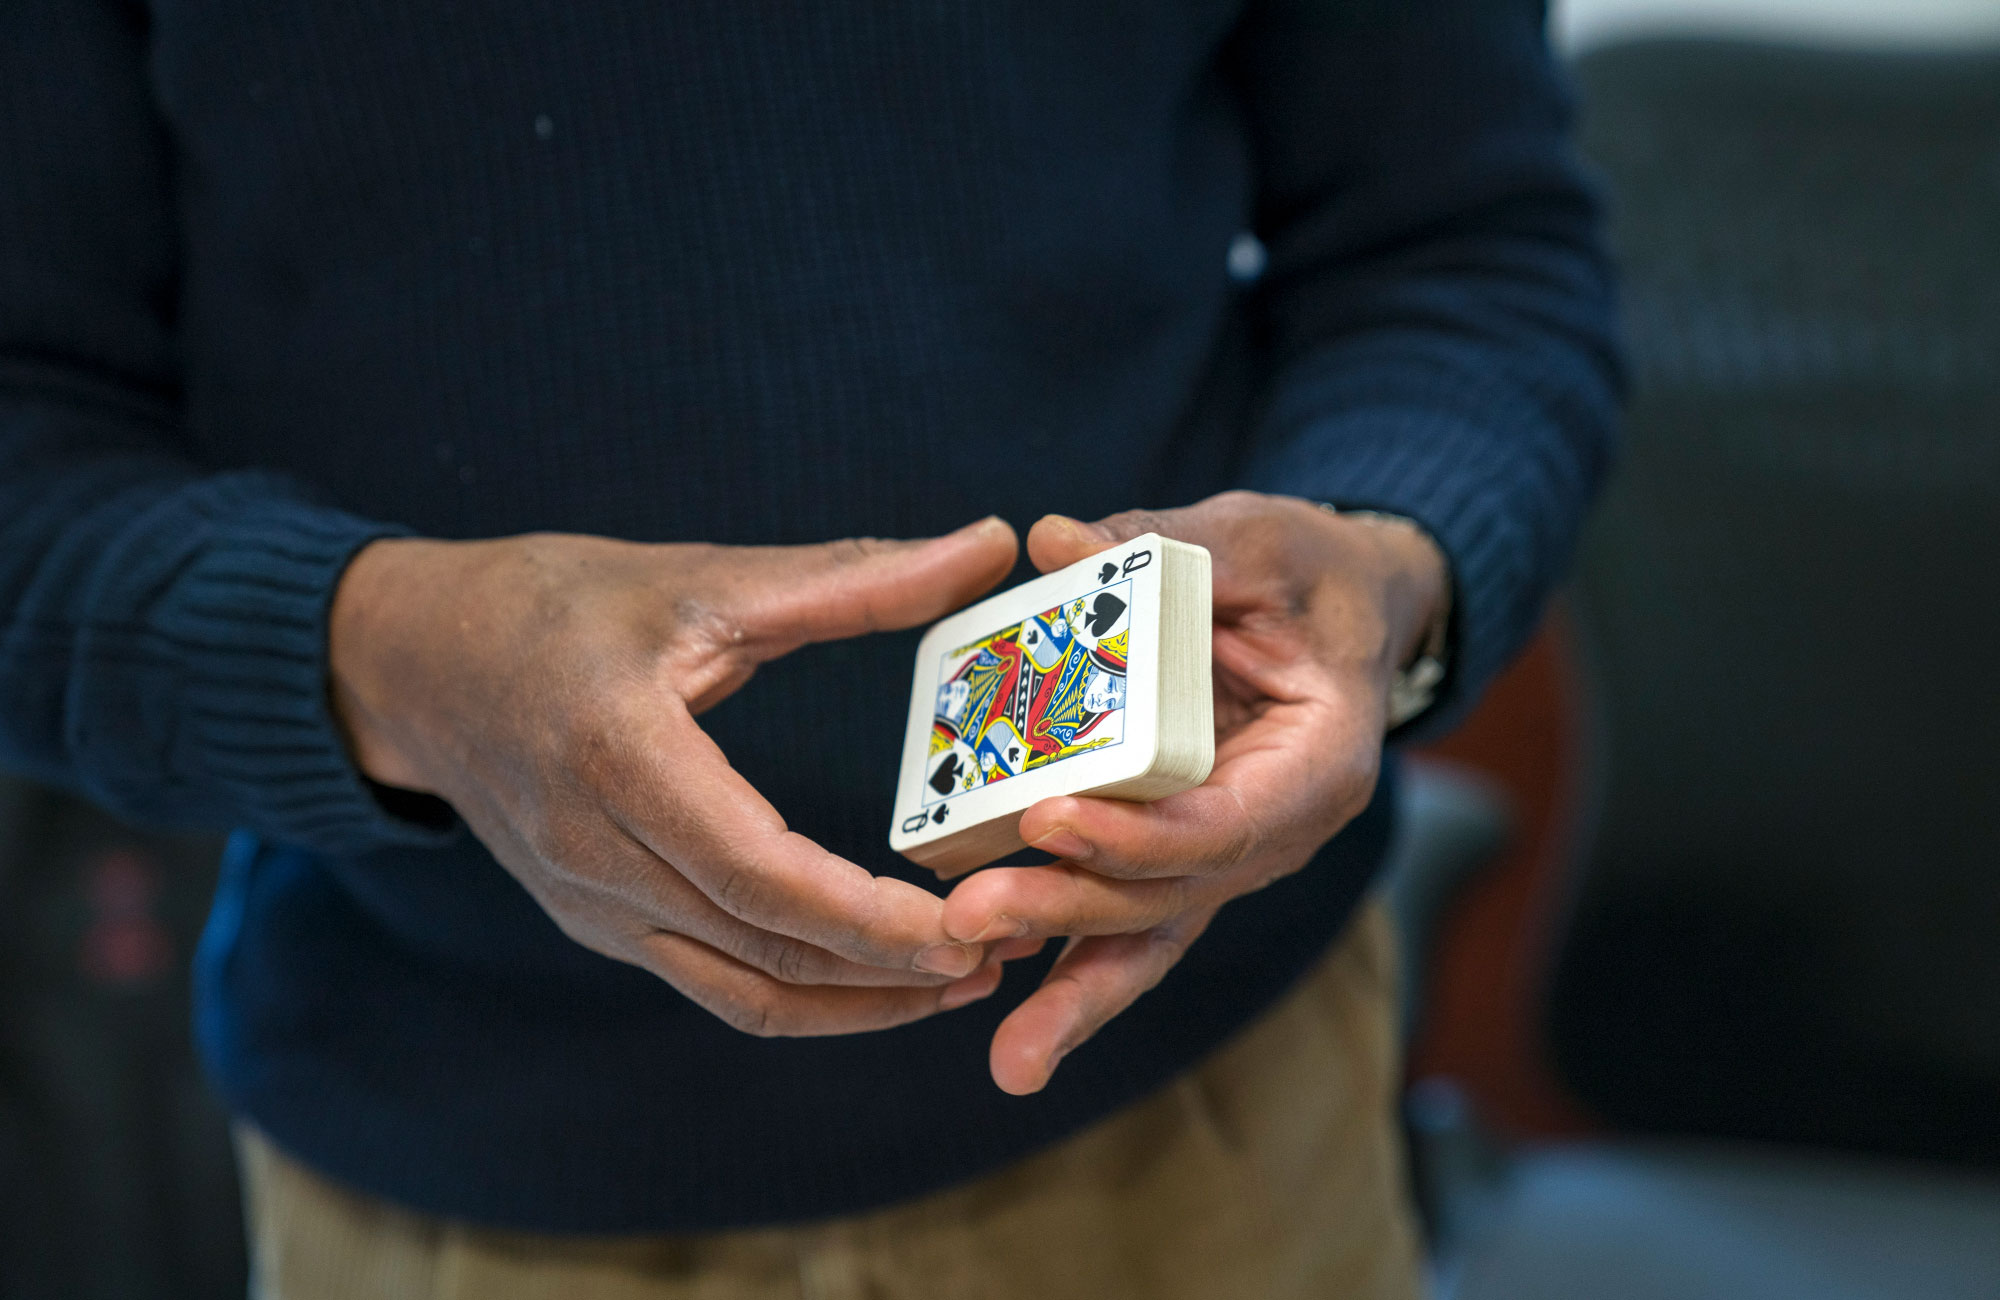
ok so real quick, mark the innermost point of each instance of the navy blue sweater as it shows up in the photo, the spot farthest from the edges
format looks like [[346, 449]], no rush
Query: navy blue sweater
[[277, 278]]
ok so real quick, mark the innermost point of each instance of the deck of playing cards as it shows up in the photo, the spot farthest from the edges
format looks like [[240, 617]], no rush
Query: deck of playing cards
[[1094, 679]]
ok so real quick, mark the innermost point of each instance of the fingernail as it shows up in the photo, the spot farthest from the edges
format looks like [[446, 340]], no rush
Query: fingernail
[[963, 992], [952, 959], [1064, 843], [1002, 927]]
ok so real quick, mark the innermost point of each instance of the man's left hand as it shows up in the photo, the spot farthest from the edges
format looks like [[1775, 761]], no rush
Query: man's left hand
[[1314, 614]]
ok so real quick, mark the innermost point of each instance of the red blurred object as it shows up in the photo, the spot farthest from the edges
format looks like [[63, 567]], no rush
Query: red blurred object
[[1482, 1024], [124, 943]]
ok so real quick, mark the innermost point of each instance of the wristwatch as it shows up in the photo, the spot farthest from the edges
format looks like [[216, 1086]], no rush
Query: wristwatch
[[1415, 685]]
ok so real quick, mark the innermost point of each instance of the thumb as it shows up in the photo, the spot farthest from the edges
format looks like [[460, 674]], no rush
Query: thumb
[[787, 596], [1058, 540]]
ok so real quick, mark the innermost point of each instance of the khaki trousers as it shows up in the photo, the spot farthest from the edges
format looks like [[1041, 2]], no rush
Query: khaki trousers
[[1271, 1170]]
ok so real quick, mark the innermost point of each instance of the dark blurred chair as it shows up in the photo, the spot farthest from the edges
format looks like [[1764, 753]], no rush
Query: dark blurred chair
[[116, 1176], [1779, 971]]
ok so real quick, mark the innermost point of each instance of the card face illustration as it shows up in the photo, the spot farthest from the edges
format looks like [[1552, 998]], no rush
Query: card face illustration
[[1050, 688], [1047, 688]]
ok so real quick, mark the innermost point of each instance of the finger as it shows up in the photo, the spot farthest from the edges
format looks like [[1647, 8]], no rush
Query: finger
[[789, 595], [1015, 949], [755, 1003], [1210, 828], [1094, 980], [701, 815], [1248, 541], [1057, 541], [1017, 904], [1295, 769], [635, 886]]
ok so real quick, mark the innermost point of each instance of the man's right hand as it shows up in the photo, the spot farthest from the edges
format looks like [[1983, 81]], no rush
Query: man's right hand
[[546, 686]]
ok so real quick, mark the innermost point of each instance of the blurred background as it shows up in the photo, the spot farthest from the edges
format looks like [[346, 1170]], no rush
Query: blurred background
[[1702, 908]]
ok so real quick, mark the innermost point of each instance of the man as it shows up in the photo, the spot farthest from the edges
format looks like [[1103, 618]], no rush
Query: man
[[418, 424]]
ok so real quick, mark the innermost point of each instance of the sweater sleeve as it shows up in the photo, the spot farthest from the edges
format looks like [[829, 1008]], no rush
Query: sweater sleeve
[[1435, 298], [162, 629]]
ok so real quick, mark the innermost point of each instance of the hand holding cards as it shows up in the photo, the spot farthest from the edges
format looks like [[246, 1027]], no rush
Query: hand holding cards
[[1094, 679]]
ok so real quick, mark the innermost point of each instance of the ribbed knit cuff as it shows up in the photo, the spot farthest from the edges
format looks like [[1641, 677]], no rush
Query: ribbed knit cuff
[[1483, 494], [255, 726]]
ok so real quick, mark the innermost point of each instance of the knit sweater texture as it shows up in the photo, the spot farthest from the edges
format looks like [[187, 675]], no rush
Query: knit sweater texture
[[280, 278]]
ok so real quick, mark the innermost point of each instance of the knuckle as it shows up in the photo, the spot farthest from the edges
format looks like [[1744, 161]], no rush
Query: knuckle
[[863, 951], [1175, 898], [1240, 846], [868, 934], [1263, 538], [1245, 836], [1168, 943], [738, 892], [792, 962], [858, 945], [1081, 898], [704, 625], [756, 1016]]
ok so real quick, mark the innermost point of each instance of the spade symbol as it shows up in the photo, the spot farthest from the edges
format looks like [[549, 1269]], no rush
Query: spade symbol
[[939, 815], [1013, 753], [946, 774], [1107, 573], [1033, 636], [1104, 611]]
